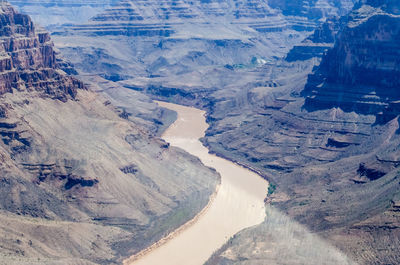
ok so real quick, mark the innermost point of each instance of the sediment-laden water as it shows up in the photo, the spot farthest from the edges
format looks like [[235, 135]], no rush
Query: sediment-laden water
[[237, 204]]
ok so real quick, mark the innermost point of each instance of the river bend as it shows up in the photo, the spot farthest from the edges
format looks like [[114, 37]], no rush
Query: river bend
[[237, 204]]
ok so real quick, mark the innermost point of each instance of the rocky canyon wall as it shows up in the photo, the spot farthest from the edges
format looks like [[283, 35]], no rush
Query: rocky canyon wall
[[82, 181], [28, 59], [332, 154], [361, 73]]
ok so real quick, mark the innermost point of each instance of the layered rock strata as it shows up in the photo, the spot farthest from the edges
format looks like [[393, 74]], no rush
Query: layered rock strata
[[83, 178], [61, 11], [334, 170], [318, 43], [185, 47], [332, 155], [28, 61], [164, 18], [361, 73]]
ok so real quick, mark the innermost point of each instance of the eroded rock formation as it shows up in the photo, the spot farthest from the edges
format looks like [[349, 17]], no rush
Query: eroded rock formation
[[28, 61], [186, 50], [79, 183], [334, 166], [361, 73], [333, 155]]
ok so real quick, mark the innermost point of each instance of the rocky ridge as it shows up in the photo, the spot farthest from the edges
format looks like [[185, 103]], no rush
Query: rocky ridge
[[333, 155], [185, 49], [317, 44], [313, 9], [28, 59], [333, 170], [361, 73], [82, 182], [165, 18]]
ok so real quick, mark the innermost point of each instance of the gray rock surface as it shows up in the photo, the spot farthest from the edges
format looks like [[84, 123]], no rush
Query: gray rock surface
[[185, 50], [334, 165], [335, 168], [50, 14], [83, 181], [361, 73], [277, 241]]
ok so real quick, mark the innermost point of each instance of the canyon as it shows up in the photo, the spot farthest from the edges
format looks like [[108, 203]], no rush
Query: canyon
[[303, 92], [61, 11], [330, 146], [186, 50], [238, 202], [81, 181]]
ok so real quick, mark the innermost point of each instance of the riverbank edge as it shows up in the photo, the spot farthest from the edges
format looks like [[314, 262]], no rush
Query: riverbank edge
[[220, 155], [188, 224], [174, 233], [182, 228]]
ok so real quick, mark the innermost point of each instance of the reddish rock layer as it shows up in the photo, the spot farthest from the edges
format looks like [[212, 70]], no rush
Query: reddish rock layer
[[27, 59]]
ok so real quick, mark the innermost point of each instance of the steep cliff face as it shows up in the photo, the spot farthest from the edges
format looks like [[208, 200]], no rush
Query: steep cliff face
[[361, 73], [185, 50], [28, 60], [313, 9], [155, 18], [83, 179], [332, 155], [317, 44]]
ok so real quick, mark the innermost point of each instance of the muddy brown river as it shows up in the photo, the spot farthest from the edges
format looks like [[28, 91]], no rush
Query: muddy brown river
[[237, 203]]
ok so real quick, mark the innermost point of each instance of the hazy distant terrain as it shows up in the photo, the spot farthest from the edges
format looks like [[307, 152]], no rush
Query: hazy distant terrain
[[305, 92], [189, 48], [83, 182], [331, 146], [278, 240], [48, 13]]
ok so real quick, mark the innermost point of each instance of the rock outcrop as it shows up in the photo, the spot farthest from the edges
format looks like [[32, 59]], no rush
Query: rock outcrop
[[333, 155], [28, 61], [318, 43], [84, 179], [312, 9], [334, 171], [180, 48], [361, 73]]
